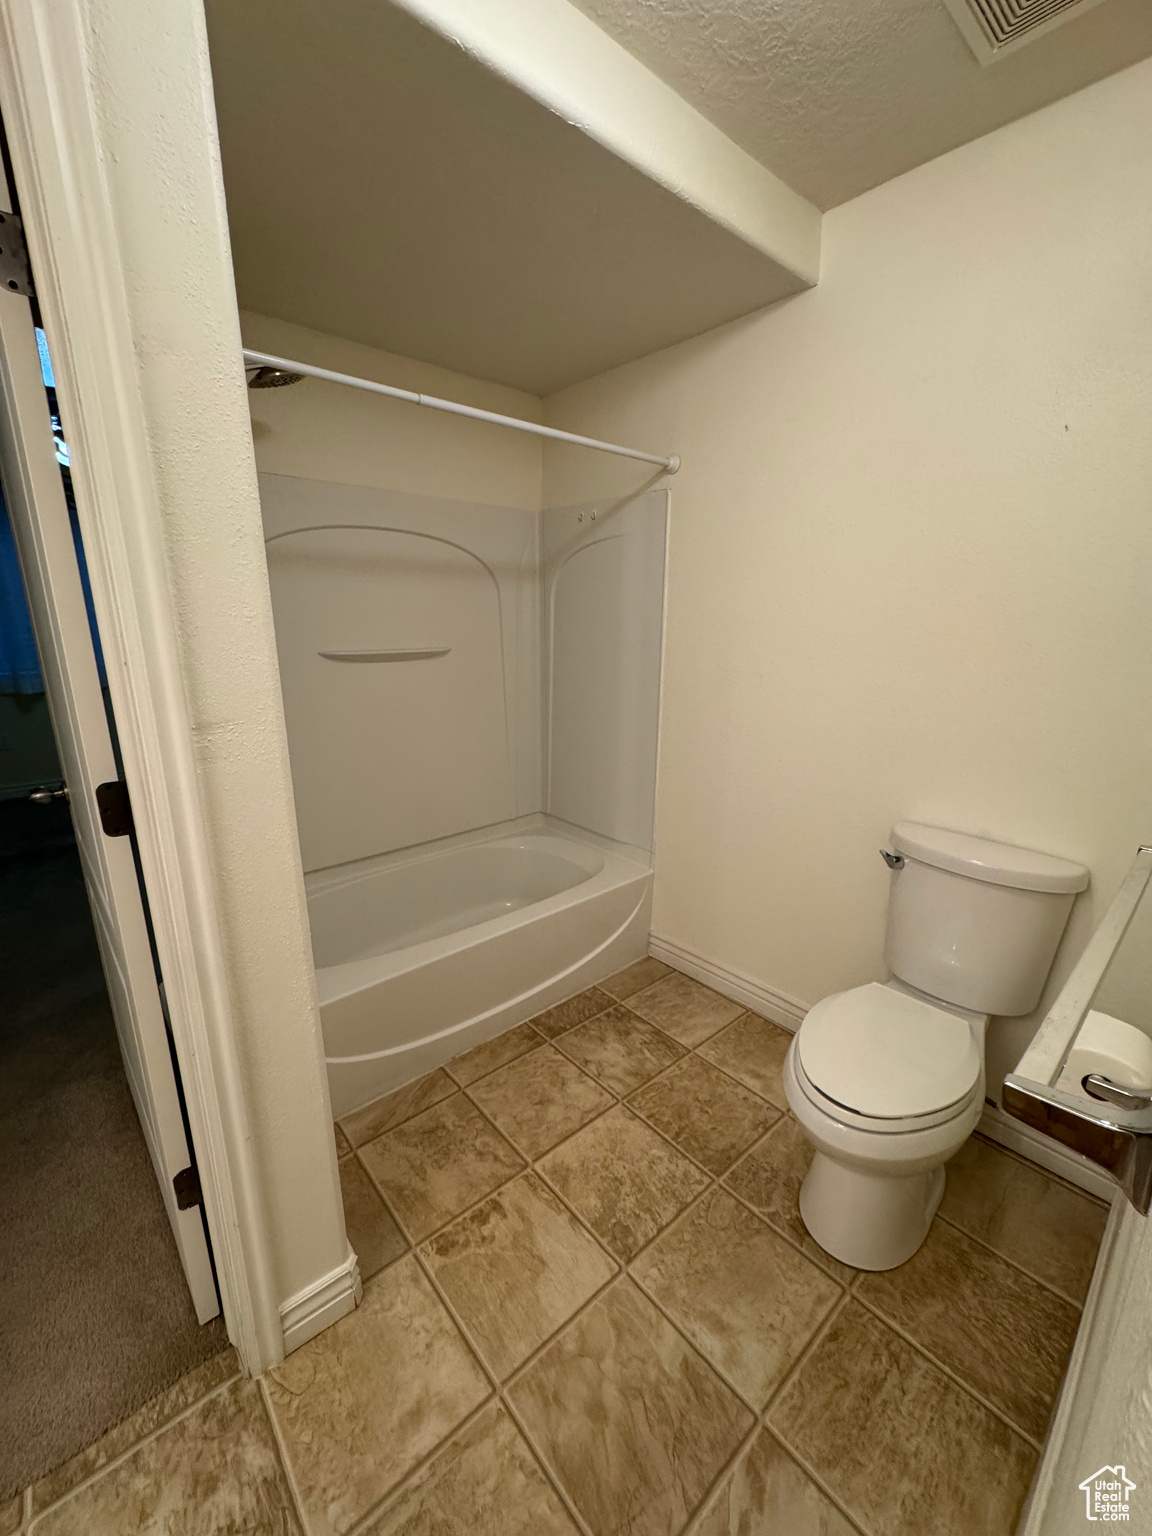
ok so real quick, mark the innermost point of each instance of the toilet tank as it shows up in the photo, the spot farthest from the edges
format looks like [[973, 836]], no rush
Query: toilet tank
[[974, 922]]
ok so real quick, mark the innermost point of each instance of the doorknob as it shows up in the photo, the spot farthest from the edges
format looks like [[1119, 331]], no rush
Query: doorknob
[[47, 796]]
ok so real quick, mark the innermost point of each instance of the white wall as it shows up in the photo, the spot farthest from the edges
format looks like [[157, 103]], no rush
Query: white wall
[[326, 432], [910, 550]]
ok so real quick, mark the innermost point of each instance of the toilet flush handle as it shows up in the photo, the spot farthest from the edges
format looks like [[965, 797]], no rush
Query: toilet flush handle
[[893, 860]]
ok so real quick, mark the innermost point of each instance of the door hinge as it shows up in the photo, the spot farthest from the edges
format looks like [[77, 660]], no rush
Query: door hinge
[[115, 808], [15, 268], [187, 1187]]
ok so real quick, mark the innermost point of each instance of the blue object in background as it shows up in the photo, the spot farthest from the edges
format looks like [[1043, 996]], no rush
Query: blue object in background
[[19, 662]]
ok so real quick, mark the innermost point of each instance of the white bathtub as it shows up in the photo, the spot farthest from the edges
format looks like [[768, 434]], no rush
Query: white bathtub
[[423, 954]]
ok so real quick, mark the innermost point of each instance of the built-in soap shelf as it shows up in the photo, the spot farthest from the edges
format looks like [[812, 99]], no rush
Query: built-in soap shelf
[[401, 653], [1101, 1112]]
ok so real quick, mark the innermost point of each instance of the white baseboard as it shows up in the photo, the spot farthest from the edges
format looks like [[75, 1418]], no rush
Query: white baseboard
[[321, 1304], [789, 1012], [1029, 1144], [761, 999]]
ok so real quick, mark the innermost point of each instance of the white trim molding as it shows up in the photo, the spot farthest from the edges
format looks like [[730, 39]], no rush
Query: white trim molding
[[321, 1304], [757, 995]]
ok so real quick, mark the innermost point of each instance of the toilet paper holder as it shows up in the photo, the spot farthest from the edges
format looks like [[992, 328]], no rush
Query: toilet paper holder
[[1097, 1086], [1112, 1128]]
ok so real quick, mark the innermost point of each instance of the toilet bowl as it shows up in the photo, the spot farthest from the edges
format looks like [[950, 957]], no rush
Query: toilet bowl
[[887, 1087], [887, 1079]]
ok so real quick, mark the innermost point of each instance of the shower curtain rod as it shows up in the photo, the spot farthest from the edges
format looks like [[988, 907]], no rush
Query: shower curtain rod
[[671, 463]]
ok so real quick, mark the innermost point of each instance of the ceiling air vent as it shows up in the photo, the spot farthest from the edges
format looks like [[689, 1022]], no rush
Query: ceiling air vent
[[996, 27]]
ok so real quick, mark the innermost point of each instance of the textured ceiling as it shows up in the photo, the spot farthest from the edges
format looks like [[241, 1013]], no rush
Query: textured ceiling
[[836, 96], [386, 187]]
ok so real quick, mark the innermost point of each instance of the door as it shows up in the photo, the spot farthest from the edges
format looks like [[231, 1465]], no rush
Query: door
[[34, 491]]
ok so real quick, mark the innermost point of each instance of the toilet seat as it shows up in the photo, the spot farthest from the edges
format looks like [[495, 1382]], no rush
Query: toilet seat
[[886, 1060]]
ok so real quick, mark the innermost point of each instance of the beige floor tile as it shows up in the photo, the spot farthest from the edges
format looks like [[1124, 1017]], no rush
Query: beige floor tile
[[433, 1167], [372, 1229], [620, 1050], [11, 1515], [744, 1296], [903, 1449], [769, 1178], [515, 1268], [145, 1421], [360, 1404], [540, 1099], [767, 1494], [753, 1050], [684, 1009], [485, 1482], [343, 1145], [394, 1108], [493, 1053], [1048, 1229], [634, 1423], [625, 1181], [635, 977], [712, 1118], [573, 1011], [1004, 1334], [214, 1472]]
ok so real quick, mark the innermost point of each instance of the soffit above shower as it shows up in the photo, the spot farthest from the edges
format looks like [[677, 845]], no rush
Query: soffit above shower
[[838, 96], [531, 218]]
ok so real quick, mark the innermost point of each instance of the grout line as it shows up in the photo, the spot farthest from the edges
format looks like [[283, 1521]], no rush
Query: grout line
[[551, 1475], [797, 1365], [131, 1450], [391, 1498], [512, 1060], [948, 1371], [282, 1452], [388, 1207], [1012, 1263], [519, 1371], [807, 1468], [413, 1242], [782, 1232], [499, 1387], [701, 1507]]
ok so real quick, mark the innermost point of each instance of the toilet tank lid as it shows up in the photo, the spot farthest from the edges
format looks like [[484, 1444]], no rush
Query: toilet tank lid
[[982, 859]]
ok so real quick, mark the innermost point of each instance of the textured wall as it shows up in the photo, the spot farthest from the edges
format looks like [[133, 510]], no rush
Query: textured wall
[[910, 549]]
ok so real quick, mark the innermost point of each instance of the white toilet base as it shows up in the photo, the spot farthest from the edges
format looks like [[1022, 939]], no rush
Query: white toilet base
[[868, 1220]]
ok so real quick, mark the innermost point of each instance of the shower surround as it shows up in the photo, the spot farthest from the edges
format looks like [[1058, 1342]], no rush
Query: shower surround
[[472, 700]]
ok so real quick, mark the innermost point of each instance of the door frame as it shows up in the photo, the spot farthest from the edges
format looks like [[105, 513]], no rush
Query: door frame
[[54, 143]]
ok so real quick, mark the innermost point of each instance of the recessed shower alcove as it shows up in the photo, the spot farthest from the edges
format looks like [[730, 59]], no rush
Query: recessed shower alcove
[[472, 698]]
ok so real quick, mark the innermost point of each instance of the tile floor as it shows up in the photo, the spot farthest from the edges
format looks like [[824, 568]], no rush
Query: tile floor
[[590, 1306]]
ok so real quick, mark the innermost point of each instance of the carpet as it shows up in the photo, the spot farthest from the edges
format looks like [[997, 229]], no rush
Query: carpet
[[95, 1316]]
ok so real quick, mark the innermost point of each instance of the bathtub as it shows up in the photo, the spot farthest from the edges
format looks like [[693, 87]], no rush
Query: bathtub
[[422, 954]]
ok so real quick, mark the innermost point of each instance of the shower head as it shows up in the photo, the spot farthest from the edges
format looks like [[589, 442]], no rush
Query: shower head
[[273, 378]]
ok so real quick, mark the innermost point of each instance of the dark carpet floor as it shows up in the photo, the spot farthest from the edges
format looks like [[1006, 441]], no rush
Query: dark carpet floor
[[95, 1316]]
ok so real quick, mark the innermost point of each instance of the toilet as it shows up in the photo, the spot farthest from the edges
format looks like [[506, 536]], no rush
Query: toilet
[[887, 1079]]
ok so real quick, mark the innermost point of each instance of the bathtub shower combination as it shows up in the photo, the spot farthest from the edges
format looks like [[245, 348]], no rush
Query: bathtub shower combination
[[472, 698]]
